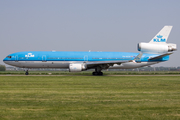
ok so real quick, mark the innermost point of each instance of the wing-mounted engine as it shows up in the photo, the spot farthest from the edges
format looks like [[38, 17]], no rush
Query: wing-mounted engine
[[156, 48], [77, 67]]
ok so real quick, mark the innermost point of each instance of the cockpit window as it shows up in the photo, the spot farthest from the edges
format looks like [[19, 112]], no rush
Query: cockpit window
[[8, 56]]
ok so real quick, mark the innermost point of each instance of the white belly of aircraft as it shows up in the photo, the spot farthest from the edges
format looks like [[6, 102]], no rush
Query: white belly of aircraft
[[40, 64], [65, 64]]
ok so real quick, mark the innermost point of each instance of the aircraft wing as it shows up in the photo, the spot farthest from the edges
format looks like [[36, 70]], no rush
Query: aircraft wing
[[95, 63], [160, 56], [106, 62]]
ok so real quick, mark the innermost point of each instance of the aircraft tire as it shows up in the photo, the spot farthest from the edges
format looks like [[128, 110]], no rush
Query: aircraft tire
[[97, 73], [26, 73], [100, 73]]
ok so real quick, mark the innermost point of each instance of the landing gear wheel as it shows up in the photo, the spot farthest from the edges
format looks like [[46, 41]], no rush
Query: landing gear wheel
[[97, 73], [27, 73], [100, 73]]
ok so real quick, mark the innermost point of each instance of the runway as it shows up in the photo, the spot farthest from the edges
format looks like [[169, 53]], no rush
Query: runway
[[89, 75]]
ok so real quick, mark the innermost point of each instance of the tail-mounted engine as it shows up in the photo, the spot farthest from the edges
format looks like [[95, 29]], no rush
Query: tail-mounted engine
[[156, 48]]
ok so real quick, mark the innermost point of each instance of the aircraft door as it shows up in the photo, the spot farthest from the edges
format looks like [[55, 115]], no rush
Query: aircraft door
[[85, 58], [44, 58], [16, 58]]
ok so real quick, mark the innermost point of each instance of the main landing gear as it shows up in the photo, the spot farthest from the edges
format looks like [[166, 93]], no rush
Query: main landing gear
[[97, 71], [27, 73]]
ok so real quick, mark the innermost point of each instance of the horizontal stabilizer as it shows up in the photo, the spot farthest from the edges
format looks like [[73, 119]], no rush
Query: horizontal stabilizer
[[160, 56]]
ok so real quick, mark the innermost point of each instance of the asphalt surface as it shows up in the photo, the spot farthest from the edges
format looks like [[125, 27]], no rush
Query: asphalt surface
[[87, 75]]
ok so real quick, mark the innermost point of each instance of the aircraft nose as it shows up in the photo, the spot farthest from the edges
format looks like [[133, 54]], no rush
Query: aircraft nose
[[4, 60]]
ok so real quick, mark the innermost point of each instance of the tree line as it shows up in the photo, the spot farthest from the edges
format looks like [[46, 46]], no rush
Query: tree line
[[2, 68]]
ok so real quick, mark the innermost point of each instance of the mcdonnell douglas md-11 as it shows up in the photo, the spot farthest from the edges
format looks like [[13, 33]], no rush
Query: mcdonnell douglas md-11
[[157, 50]]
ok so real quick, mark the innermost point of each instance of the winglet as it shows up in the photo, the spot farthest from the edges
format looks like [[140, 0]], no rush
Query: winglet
[[137, 58]]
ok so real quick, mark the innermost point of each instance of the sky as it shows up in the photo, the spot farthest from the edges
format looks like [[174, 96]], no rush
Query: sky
[[83, 25]]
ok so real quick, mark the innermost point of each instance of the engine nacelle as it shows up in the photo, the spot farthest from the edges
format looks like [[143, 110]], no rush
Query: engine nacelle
[[156, 48], [172, 47], [77, 67]]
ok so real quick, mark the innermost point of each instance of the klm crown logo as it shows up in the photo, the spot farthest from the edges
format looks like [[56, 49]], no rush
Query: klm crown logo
[[159, 39], [29, 55]]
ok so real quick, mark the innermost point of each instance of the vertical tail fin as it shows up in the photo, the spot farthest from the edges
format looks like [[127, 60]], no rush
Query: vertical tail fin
[[162, 36]]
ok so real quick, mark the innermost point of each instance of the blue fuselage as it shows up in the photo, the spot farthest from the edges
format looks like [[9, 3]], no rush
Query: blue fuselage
[[79, 56], [37, 59]]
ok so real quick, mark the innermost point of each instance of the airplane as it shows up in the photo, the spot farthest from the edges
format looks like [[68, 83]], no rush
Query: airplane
[[156, 51]]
